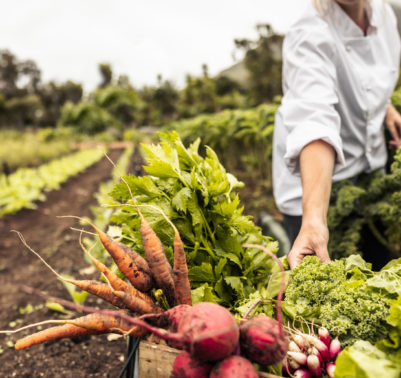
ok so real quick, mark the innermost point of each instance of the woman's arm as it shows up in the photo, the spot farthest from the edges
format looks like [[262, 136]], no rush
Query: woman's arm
[[316, 167], [393, 123]]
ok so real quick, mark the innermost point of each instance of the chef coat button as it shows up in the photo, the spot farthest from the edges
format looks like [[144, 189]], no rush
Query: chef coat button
[[368, 150], [348, 47], [368, 88]]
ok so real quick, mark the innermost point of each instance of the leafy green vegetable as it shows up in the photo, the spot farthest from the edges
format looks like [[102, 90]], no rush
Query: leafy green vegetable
[[198, 195], [345, 296], [364, 360]]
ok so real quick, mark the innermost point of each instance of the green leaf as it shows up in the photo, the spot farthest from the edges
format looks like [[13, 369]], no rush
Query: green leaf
[[273, 287], [204, 293], [54, 306], [236, 284], [201, 273], [363, 360], [181, 199]]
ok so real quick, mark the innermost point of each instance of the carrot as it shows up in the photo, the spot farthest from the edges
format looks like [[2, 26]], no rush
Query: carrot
[[157, 260], [118, 284], [101, 322], [53, 333], [91, 324], [131, 264], [181, 280], [182, 286], [137, 304]]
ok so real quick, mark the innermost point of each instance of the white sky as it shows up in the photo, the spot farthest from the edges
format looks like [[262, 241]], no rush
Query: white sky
[[68, 38]]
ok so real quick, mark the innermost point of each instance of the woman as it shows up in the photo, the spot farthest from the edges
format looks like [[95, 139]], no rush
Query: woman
[[340, 65]]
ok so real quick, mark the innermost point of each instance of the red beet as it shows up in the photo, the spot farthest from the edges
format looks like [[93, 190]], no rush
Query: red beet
[[207, 331], [262, 338], [187, 367], [234, 367]]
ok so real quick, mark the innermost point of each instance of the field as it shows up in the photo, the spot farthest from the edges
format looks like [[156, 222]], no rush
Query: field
[[85, 357]]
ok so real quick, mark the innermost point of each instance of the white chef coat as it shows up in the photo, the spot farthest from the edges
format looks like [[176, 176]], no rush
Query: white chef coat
[[336, 83]]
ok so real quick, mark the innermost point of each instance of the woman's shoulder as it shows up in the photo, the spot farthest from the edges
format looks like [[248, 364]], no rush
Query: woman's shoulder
[[311, 27]]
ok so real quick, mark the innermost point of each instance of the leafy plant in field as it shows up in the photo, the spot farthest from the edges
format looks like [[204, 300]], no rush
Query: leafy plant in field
[[198, 195], [372, 202], [26, 186], [241, 138]]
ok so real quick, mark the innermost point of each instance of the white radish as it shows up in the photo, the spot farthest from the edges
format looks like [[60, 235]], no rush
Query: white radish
[[294, 365], [293, 347], [314, 365], [324, 335], [330, 369], [301, 373], [298, 357], [300, 341], [314, 351], [335, 349], [319, 345]]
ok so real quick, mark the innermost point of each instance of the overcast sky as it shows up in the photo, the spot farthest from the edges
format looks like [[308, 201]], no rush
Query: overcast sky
[[68, 38]]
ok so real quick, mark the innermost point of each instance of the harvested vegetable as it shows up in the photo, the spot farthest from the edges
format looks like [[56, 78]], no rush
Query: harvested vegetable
[[263, 339], [186, 366], [234, 367]]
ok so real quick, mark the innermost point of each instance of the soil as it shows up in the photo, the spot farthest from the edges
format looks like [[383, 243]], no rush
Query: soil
[[94, 356]]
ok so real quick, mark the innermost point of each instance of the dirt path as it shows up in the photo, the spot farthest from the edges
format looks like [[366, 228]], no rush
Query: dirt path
[[52, 237]]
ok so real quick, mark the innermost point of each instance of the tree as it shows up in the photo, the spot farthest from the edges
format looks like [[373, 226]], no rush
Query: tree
[[54, 96], [106, 73], [263, 61]]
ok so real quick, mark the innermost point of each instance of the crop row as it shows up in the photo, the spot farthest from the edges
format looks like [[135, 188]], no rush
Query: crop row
[[27, 185]]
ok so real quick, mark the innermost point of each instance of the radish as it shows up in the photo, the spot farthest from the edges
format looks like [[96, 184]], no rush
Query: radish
[[293, 347], [314, 365], [262, 338], [330, 369], [234, 367], [324, 335], [206, 330], [315, 352], [300, 341], [335, 349], [319, 345], [187, 367], [298, 357], [301, 373]]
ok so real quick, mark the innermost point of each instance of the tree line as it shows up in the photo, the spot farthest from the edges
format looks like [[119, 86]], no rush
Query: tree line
[[27, 101]]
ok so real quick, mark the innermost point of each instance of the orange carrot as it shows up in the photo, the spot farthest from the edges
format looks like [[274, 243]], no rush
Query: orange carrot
[[130, 263], [182, 286], [101, 322], [117, 283], [157, 260], [136, 304], [53, 333], [181, 280]]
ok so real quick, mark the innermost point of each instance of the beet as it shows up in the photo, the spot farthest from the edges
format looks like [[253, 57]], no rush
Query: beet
[[187, 367], [262, 340], [207, 331], [234, 367]]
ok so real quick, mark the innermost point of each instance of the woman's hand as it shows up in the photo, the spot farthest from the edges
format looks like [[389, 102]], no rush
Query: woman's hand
[[311, 240], [393, 123], [316, 166]]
